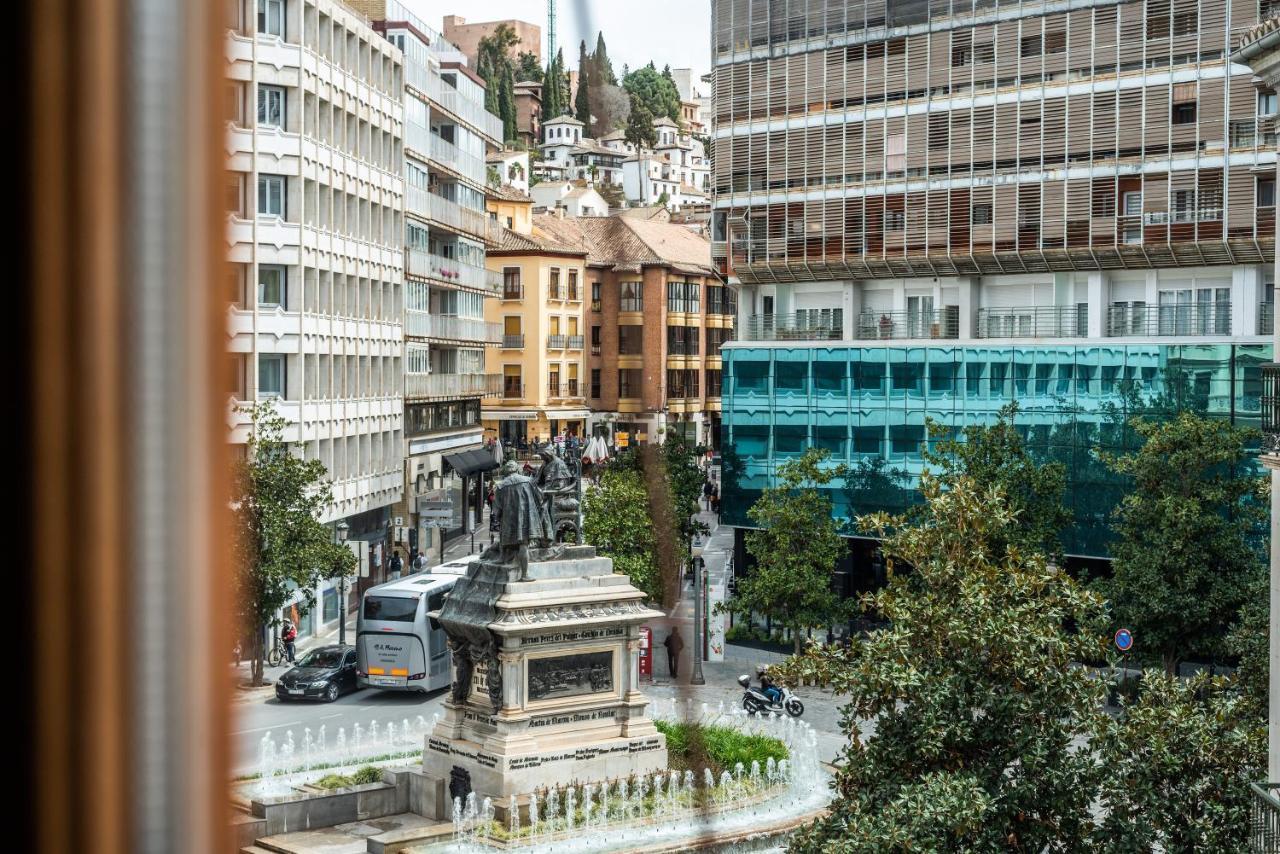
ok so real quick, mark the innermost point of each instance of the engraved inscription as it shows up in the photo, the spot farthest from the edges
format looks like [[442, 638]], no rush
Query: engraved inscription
[[561, 637], [570, 675]]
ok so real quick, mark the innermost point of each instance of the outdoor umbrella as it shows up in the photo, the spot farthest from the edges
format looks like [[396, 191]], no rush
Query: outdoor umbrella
[[498, 453]]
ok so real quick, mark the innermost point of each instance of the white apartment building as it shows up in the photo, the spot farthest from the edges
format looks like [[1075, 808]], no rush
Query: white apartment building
[[448, 137], [314, 199]]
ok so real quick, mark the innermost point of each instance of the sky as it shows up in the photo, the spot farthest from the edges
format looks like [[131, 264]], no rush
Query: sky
[[668, 32]]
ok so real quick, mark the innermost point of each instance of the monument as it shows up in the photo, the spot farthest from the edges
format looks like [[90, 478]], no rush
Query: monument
[[545, 641]]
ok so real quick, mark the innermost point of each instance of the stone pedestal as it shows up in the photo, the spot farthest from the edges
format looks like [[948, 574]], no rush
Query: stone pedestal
[[568, 644]]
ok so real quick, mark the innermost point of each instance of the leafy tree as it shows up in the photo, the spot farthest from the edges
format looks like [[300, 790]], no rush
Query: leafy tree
[[528, 67], [640, 131], [1186, 556], [795, 548], [664, 198], [582, 99], [493, 63], [1176, 764], [654, 91], [995, 455], [281, 546], [1249, 641], [615, 519], [977, 706], [686, 480]]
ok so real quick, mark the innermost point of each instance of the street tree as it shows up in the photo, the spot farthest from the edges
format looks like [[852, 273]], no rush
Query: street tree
[[796, 546], [1187, 553], [1249, 642], [996, 455], [978, 709], [1177, 763], [282, 548], [615, 519]]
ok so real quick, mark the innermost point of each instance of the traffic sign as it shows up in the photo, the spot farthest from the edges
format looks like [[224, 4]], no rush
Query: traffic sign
[[1124, 640]]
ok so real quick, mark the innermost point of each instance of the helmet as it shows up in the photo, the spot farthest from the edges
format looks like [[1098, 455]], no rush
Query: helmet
[[760, 668], [744, 680]]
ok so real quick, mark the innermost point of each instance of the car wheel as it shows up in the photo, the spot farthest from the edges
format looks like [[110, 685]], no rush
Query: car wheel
[[331, 692]]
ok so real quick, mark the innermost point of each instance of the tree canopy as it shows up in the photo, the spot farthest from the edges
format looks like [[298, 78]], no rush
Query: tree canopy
[[615, 519], [654, 91]]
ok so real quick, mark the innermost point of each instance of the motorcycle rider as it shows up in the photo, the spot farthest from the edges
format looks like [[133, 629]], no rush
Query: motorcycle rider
[[767, 686]]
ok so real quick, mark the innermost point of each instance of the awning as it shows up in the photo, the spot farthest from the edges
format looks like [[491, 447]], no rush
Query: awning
[[468, 463], [566, 414]]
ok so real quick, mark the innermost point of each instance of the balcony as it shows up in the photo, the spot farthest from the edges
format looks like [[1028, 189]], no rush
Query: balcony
[[556, 342], [595, 305], [894, 325], [792, 327], [558, 389], [1270, 403], [513, 389], [446, 212], [451, 272], [595, 349], [1139, 319], [1266, 318], [427, 386], [1264, 819], [512, 342], [421, 324], [1051, 321]]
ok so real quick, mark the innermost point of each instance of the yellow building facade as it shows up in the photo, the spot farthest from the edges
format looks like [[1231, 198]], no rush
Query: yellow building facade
[[541, 308]]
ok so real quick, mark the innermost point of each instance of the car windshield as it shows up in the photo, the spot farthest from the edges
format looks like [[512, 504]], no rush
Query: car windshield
[[321, 658], [392, 609]]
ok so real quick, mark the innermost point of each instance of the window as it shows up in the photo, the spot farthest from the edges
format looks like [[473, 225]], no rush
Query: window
[[271, 285], [894, 221], [595, 296], [630, 340], [595, 382], [629, 383], [1186, 21], [573, 286], [1032, 46], [271, 106], [1183, 111], [271, 195], [632, 297], [984, 52], [895, 150], [511, 381], [271, 17], [271, 375], [1266, 192], [553, 290], [982, 214], [1266, 103], [595, 340], [511, 283], [1055, 42], [1133, 216]]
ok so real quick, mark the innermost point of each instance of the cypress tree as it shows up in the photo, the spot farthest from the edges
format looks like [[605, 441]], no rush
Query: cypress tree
[[507, 103], [582, 102], [601, 65], [551, 91]]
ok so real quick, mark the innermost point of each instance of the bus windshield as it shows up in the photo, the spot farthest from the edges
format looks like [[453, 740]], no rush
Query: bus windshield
[[391, 609]]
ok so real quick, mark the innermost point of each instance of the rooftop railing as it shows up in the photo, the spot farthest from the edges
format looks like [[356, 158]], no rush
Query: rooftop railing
[[932, 323], [1053, 321], [798, 327]]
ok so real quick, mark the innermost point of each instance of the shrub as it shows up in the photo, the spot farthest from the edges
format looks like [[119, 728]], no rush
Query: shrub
[[694, 746], [367, 774], [334, 781]]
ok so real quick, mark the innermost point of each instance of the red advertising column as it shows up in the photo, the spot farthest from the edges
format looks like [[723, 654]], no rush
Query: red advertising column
[[646, 654]]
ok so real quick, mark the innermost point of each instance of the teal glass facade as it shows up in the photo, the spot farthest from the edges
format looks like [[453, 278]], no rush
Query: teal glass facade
[[868, 406]]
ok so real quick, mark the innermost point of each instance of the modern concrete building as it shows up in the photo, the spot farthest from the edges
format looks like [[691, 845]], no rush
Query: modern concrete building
[[542, 313], [448, 134], [932, 211], [315, 125], [467, 36]]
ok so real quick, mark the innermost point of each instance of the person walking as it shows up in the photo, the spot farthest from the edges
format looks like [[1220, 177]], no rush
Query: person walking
[[420, 562], [289, 637], [395, 566], [674, 644]]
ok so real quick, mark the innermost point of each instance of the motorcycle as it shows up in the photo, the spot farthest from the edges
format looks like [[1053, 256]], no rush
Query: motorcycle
[[756, 701]]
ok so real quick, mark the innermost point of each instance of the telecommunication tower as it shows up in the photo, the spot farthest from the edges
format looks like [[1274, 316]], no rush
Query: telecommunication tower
[[551, 30]]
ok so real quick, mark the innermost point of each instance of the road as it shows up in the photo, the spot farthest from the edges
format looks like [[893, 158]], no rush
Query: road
[[257, 714]]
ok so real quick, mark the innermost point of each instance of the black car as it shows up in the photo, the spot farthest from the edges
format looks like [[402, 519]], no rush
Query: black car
[[323, 673]]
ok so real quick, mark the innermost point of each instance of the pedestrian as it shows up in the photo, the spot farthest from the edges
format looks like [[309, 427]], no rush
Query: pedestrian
[[715, 503], [289, 637], [395, 566], [420, 562], [706, 493], [674, 643]]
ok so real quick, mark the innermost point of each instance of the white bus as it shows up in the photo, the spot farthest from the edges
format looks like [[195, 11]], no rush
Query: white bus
[[398, 647]]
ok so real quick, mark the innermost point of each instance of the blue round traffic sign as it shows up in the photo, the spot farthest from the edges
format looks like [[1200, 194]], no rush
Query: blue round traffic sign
[[1124, 640]]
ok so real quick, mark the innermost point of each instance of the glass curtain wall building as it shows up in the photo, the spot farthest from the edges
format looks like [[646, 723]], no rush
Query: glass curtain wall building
[[869, 407]]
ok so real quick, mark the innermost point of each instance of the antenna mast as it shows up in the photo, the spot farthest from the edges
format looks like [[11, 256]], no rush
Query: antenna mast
[[551, 30]]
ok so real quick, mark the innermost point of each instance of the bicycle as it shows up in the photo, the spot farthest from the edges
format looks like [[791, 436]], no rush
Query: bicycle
[[276, 654]]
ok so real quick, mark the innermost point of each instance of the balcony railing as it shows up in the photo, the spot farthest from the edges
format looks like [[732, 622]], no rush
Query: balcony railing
[[1186, 319], [802, 327], [512, 342], [421, 324], [1264, 819], [426, 204], [425, 265], [595, 305], [1052, 321], [565, 388], [512, 291], [595, 349], [934, 323], [417, 386], [512, 389], [429, 83], [1270, 404], [556, 342], [1266, 318], [574, 342]]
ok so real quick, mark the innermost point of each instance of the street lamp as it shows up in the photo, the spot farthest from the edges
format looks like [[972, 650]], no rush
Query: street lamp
[[343, 530], [696, 678]]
